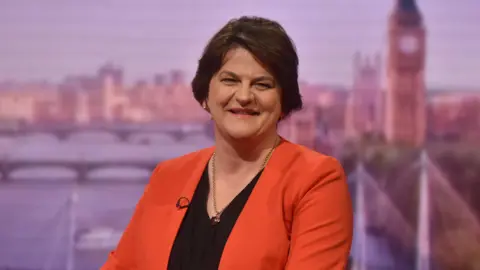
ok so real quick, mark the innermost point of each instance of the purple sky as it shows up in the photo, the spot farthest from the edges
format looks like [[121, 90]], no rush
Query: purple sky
[[49, 39]]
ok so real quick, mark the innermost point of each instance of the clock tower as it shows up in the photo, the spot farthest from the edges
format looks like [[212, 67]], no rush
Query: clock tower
[[405, 121]]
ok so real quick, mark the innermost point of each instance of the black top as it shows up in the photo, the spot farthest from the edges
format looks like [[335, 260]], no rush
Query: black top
[[199, 244]]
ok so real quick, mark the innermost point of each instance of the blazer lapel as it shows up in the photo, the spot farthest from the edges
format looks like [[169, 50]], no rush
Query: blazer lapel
[[190, 176], [243, 235]]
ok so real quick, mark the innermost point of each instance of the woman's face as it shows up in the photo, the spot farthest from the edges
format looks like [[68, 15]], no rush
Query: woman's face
[[244, 98]]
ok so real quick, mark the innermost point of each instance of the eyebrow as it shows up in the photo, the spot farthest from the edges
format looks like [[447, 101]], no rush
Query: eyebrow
[[257, 79]]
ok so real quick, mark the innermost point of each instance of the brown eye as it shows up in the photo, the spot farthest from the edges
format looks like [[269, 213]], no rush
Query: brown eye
[[263, 86], [228, 81]]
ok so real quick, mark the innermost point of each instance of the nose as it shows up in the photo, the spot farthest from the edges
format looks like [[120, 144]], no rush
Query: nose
[[244, 94]]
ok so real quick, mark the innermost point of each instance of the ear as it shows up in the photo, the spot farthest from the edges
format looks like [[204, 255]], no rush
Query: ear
[[205, 105]]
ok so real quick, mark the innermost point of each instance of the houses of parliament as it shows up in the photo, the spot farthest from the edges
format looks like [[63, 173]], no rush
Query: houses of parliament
[[399, 112], [404, 112]]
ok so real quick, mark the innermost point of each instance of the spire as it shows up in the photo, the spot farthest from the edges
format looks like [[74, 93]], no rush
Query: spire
[[407, 5], [406, 14]]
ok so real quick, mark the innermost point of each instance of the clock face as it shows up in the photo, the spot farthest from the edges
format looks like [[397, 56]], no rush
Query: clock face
[[408, 44]]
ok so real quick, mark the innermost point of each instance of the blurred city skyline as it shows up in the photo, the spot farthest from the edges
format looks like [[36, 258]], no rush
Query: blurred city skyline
[[54, 39]]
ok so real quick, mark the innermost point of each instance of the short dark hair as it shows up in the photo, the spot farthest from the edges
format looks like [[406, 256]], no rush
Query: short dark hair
[[268, 42]]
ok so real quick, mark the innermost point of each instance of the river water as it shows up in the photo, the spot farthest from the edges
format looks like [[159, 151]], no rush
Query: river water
[[41, 227]]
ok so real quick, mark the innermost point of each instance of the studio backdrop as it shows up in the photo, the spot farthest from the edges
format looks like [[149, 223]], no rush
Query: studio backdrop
[[95, 93]]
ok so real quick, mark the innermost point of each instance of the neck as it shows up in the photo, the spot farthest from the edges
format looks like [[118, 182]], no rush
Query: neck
[[232, 156]]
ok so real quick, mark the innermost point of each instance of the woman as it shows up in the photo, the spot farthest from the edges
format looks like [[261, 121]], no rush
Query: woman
[[254, 200]]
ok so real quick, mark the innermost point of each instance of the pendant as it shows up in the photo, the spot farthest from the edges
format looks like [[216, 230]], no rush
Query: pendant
[[215, 220]]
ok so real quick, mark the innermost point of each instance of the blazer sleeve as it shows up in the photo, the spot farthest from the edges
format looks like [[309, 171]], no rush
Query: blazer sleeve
[[123, 257], [322, 225]]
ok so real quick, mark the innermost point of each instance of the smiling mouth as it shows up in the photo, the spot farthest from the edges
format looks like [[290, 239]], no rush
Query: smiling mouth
[[242, 112]]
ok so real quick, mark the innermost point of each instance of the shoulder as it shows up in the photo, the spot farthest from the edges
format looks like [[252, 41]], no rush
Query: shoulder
[[312, 163], [306, 170]]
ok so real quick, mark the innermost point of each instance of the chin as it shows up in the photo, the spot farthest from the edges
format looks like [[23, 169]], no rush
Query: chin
[[241, 132]]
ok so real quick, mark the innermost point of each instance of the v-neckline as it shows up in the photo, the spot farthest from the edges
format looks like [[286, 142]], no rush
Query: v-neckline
[[206, 190]]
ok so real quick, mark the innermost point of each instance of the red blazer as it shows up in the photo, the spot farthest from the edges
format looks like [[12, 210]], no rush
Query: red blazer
[[299, 215]]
